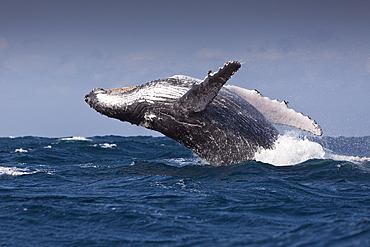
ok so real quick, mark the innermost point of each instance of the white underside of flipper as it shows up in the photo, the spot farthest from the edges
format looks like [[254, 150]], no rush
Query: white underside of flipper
[[277, 112]]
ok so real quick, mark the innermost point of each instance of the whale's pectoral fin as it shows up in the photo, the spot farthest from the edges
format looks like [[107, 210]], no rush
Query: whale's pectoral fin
[[200, 96], [277, 112]]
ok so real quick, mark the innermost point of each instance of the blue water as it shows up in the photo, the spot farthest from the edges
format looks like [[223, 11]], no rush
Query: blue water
[[151, 191]]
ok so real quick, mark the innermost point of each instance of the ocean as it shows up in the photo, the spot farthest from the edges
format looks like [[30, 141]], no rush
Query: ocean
[[151, 191]]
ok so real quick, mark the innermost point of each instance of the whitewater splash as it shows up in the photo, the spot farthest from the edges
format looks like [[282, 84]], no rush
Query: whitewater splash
[[292, 148]]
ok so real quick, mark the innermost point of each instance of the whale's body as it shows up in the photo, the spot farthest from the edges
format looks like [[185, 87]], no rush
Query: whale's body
[[215, 122]]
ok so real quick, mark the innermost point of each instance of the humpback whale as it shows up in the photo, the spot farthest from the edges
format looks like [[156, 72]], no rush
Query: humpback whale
[[222, 124]]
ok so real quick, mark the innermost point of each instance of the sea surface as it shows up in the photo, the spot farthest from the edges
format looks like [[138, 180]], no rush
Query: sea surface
[[151, 191]]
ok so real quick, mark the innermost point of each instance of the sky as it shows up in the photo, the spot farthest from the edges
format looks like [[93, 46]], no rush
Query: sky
[[315, 54]]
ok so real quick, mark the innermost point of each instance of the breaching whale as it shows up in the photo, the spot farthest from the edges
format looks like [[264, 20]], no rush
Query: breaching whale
[[223, 125]]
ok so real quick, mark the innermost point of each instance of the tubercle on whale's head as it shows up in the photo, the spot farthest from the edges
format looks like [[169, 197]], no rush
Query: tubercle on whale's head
[[120, 90]]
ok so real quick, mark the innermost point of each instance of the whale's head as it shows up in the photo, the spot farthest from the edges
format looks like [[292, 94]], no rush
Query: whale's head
[[137, 104], [121, 103]]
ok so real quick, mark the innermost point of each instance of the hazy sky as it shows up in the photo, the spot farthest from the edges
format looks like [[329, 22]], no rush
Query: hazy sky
[[314, 54]]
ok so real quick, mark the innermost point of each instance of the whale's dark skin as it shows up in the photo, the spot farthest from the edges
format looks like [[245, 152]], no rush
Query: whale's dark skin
[[218, 125]]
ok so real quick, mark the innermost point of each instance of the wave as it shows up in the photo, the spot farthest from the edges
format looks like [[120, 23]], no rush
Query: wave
[[291, 148], [139, 186]]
